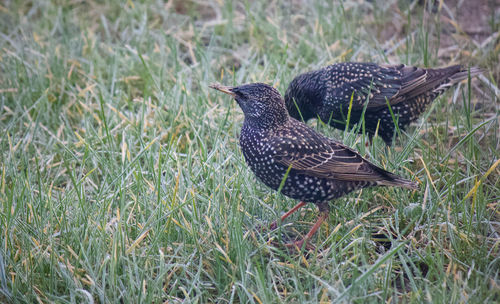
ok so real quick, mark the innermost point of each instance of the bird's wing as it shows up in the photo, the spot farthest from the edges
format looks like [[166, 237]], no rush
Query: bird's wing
[[417, 81], [377, 83], [321, 157]]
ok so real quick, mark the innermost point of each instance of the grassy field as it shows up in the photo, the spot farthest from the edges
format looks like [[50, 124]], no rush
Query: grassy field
[[121, 179]]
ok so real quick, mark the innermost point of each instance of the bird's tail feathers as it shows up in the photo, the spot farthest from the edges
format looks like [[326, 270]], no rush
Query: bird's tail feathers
[[455, 78], [397, 181], [464, 74]]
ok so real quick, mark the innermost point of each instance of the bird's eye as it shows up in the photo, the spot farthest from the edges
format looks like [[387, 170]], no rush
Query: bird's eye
[[239, 94]]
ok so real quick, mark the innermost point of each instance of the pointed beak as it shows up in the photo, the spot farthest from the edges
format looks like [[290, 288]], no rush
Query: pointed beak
[[224, 89]]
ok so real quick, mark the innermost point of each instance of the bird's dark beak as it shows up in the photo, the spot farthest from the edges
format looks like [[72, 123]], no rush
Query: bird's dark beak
[[224, 89]]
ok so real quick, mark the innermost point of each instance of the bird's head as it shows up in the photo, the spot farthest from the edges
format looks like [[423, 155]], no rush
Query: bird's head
[[262, 104], [303, 95]]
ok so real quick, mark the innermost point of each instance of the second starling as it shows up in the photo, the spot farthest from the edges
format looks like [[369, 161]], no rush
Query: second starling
[[284, 152], [326, 93]]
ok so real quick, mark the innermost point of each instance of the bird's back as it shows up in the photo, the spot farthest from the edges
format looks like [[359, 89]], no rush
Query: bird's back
[[317, 169]]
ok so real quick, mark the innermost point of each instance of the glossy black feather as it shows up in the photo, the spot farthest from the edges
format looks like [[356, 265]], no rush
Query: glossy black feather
[[326, 93]]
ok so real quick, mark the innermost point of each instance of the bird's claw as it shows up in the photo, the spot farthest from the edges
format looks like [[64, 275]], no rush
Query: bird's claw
[[297, 246]]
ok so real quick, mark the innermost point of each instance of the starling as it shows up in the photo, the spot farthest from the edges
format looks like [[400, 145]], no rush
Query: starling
[[284, 152], [326, 93]]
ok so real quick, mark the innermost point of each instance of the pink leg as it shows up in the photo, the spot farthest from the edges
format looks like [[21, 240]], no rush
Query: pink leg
[[274, 224], [321, 219]]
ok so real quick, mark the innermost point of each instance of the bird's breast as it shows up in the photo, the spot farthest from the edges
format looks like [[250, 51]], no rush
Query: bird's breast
[[259, 157]]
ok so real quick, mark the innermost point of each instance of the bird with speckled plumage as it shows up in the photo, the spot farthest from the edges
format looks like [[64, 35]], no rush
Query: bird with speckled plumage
[[327, 93], [319, 169]]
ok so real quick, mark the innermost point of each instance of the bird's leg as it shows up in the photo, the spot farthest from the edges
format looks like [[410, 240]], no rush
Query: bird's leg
[[274, 224], [315, 227]]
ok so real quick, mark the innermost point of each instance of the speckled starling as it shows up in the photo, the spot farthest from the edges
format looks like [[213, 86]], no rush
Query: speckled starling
[[319, 169], [326, 93]]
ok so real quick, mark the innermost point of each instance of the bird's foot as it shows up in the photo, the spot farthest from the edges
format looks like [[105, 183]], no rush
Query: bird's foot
[[264, 227], [270, 227], [297, 245]]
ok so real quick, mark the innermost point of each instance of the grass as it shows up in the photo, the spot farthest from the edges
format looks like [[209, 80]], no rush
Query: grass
[[121, 179]]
